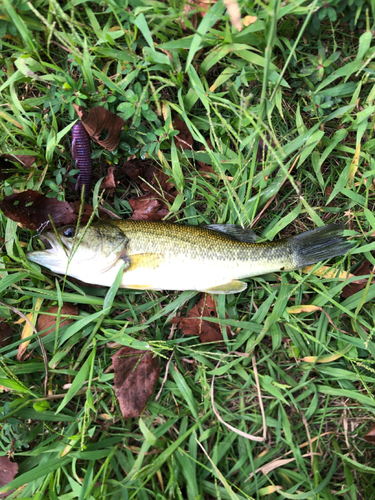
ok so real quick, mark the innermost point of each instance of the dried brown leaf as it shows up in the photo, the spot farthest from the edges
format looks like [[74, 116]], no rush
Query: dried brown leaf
[[184, 139], [98, 121], [8, 471], [32, 210], [161, 187], [364, 269], [6, 334], [25, 160], [370, 436], [203, 167], [48, 322], [134, 170], [136, 374], [109, 183], [27, 331], [193, 324], [87, 211], [247, 20], [147, 207]]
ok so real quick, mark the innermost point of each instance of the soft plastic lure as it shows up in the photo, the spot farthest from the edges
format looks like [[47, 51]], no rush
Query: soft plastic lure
[[81, 154]]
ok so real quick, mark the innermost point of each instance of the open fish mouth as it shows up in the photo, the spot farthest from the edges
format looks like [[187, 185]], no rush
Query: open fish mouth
[[53, 244], [47, 243]]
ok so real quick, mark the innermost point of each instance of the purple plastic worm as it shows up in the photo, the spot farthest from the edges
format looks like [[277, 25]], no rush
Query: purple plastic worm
[[81, 153]]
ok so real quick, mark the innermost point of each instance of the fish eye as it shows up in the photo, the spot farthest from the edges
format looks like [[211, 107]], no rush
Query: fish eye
[[68, 232]]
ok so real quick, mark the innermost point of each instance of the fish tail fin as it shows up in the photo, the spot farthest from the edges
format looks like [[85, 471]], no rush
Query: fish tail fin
[[319, 244]]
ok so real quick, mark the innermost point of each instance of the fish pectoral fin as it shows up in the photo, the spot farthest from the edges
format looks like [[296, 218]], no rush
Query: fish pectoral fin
[[145, 261], [234, 286]]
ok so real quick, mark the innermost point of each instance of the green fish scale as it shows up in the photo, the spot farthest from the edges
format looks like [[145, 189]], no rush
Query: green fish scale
[[193, 242]]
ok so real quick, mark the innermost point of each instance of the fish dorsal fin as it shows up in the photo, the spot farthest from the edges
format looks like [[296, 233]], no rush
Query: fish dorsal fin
[[235, 231]]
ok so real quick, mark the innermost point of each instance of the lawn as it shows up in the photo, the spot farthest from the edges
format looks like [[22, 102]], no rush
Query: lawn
[[259, 114]]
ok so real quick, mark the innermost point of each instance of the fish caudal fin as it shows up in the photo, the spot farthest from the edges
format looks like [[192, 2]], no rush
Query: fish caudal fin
[[319, 244]]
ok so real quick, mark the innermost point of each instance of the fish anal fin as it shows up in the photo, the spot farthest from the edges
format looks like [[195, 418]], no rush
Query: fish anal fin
[[234, 286], [234, 231], [141, 287]]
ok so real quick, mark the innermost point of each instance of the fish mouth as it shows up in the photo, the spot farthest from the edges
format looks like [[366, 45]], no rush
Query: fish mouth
[[54, 252], [46, 242], [52, 243]]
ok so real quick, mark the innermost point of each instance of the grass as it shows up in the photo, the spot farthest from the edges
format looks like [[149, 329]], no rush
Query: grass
[[301, 80]]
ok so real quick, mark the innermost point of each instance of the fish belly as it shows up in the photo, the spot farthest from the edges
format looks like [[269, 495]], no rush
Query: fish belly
[[175, 275]]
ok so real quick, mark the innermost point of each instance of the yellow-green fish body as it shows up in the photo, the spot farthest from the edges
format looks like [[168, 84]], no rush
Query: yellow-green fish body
[[164, 256]]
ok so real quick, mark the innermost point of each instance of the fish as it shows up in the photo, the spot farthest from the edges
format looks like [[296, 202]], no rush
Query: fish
[[166, 256]]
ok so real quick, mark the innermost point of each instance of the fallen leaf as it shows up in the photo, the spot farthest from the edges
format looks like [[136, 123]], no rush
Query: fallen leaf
[[328, 358], [354, 287], [28, 329], [307, 308], [48, 322], [100, 122], [8, 471], [25, 160], [247, 20], [203, 167], [109, 183], [6, 334], [135, 169], [193, 324], [147, 207], [328, 272], [159, 191], [87, 210], [184, 139], [354, 165], [136, 374], [370, 436], [160, 186], [32, 210]]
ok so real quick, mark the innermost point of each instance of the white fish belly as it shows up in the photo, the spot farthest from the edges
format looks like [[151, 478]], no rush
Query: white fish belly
[[177, 275]]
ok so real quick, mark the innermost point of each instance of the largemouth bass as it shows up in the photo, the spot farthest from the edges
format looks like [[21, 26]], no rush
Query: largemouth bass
[[164, 256]]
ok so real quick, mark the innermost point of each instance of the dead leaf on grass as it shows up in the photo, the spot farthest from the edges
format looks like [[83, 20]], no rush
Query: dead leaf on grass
[[109, 183], [135, 169], [136, 374], [193, 324], [28, 329], [87, 211], [6, 334], [184, 139], [32, 210], [158, 188], [25, 160], [203, 167], [48, 321], [147, 207], [161, 187], [8, 471], [247, 20], [370, 436], [103, 126], [354, 287]]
